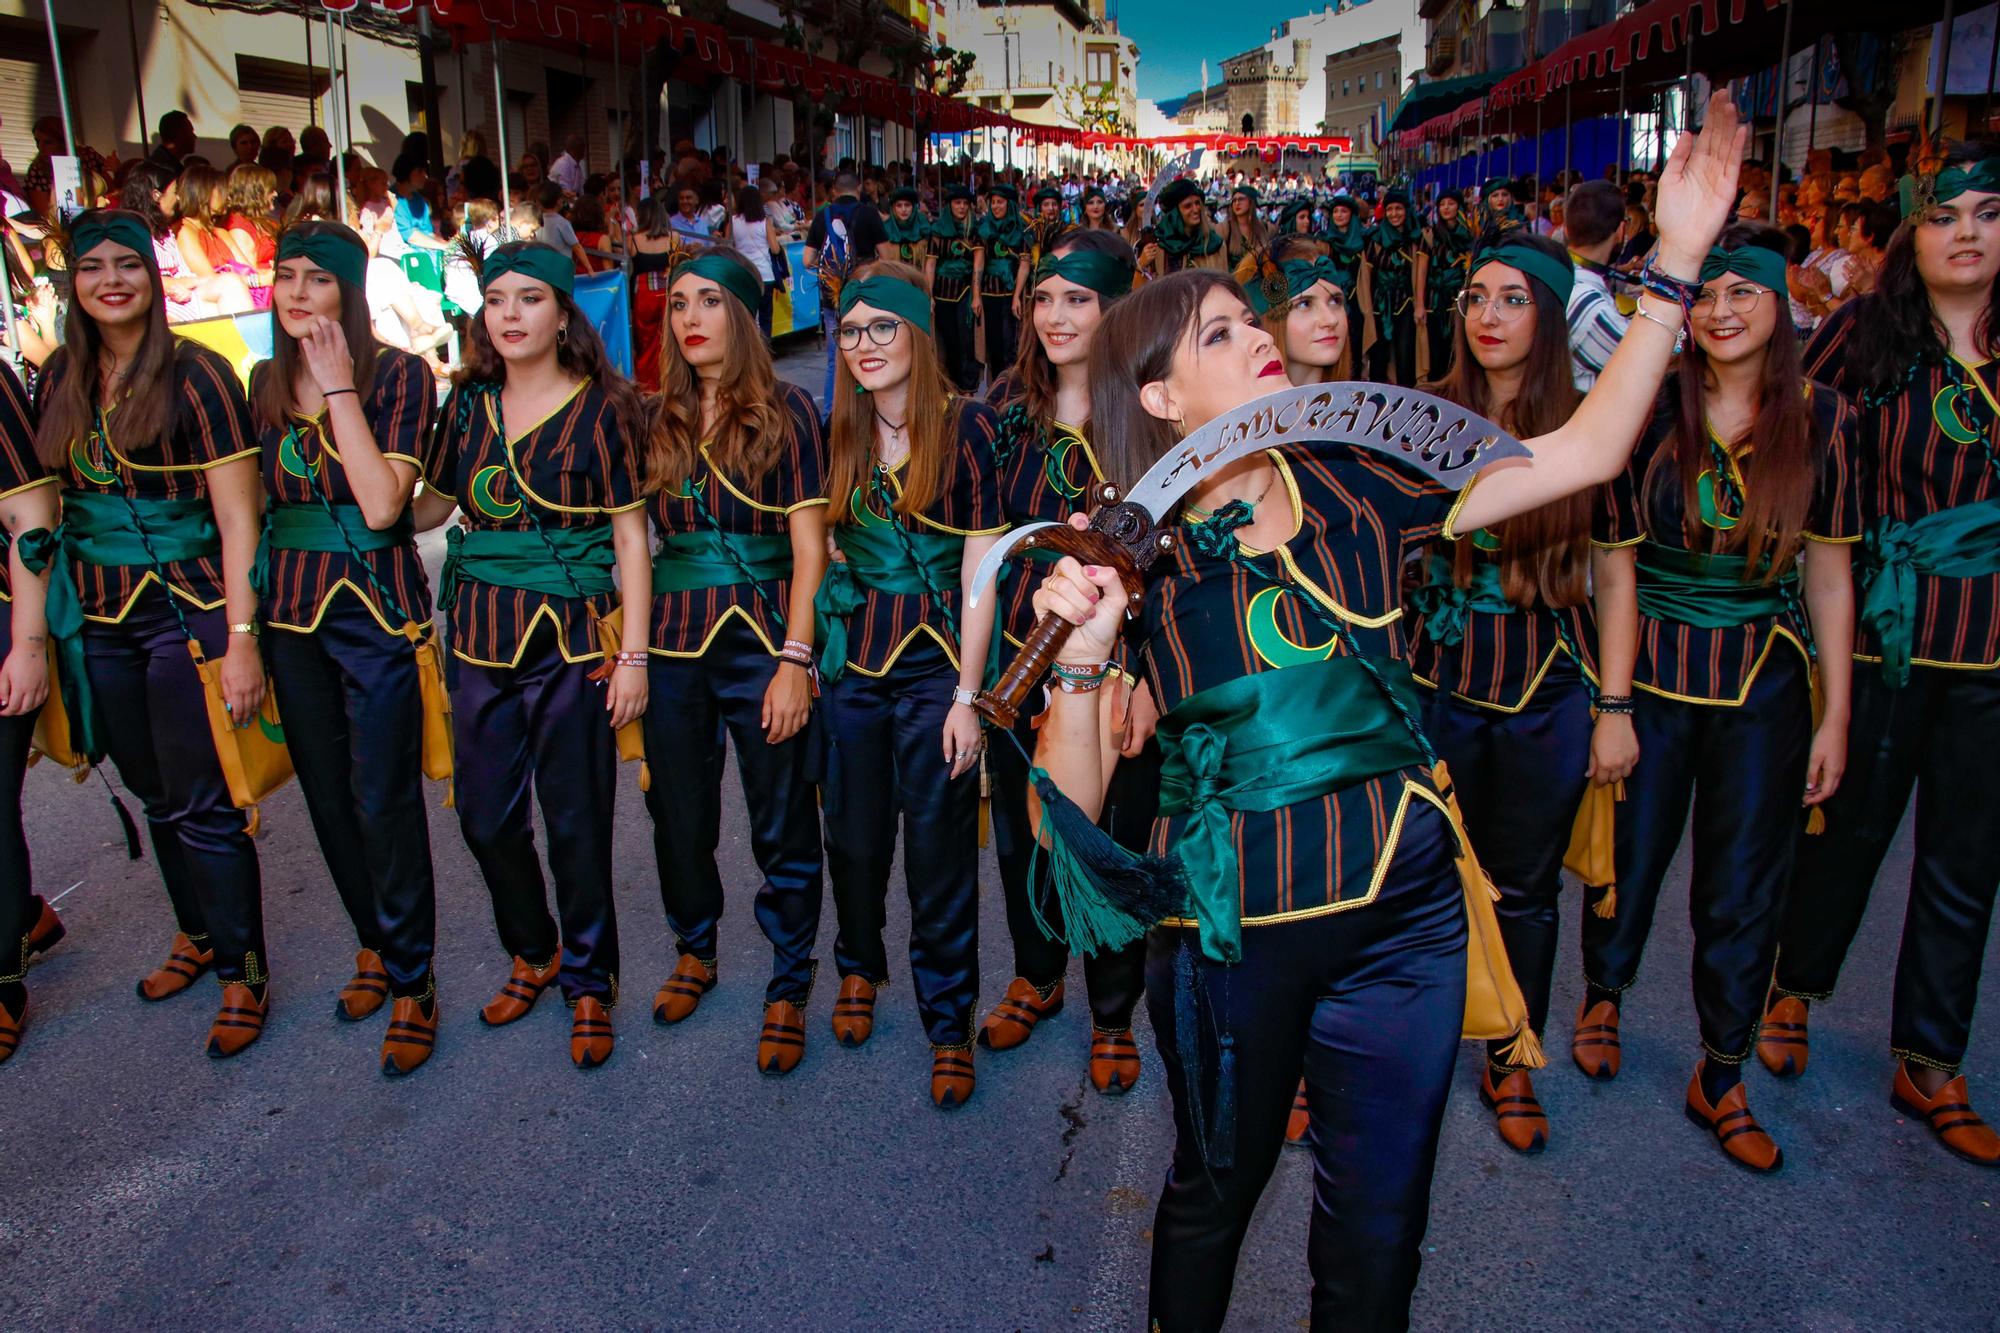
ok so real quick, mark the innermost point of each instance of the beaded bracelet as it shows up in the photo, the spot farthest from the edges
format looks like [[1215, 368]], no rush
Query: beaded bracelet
[[1614, 705], [1666, 286]]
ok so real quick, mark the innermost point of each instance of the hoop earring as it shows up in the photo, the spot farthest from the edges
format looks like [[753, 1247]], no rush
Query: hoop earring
[[1180, 428], [562, 334]]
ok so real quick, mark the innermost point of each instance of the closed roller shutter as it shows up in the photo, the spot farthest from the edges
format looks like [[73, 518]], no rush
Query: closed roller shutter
[[277, 92], [27, 90]]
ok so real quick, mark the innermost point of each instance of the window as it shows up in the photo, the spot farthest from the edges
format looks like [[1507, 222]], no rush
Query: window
[[1100, 65], [278, 92], [1347, 87]]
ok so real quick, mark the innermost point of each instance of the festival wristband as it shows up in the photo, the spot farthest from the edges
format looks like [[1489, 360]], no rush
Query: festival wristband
[[1667, 287], [626, 659]]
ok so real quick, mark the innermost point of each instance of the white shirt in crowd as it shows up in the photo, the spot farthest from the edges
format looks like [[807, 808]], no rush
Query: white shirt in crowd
[[748, 238], [567, 172]]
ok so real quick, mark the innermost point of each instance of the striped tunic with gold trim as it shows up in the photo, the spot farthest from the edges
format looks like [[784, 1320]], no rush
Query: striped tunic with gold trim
[[1205, 622], [211, 426], [20, 469], [1718, 666], [578, 472], [1038, 485], [886, 623], [685, 622], [1919, 454], [399, 408]]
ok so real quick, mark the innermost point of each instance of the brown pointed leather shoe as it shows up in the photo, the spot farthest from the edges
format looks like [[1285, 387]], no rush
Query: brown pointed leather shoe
[[1594, 1046], [185, 963], [854, 1011], [11, 1027], [782, 1043], [1741, 1137], [681, 993], [412, 1034], [366, 991], [1781, 1041], [590, 1035], [1523, 1125], [45, 934], [517, 995], [951, 1076], [239, 1022], [1298, 1125], [1011, 1021], [1949, 1114], [1114, 1061]]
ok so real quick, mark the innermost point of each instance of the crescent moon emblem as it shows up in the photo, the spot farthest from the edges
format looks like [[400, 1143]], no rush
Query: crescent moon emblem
[[1711, 508], [482, 494], [1950, 416], [1055, 466], [1260, 622], [89, 471], [1486, 540], [292, 461], [863, 515]]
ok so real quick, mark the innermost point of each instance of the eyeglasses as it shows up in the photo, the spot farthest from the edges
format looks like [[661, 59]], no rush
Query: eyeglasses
[[1741, 299], [881, 332], [1509, 306]]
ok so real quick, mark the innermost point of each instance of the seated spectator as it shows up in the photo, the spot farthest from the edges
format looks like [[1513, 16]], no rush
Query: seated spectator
[[39, 186], [315, 150], [251, 195], [244, 144], [313, 199], [201, 233], [478, 233], [190, 296]]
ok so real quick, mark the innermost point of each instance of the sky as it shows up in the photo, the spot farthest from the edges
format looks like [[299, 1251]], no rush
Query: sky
[[1175, 35]]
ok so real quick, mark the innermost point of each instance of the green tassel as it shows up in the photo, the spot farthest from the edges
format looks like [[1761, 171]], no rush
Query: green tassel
[[1222, 1152], [1187, 1036], [1109, 896]]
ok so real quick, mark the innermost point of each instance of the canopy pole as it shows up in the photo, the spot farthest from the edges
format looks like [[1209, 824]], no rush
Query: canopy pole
[[1624, 129], [1687, 89], [500, 119], [139, 77], [1939, 84], [1540, 180], [346, 90], [62, 90], [312, 70], [618, 150], [333, 121], [1568, 124], [1783, 102], [1992, 65], [1812, 99]]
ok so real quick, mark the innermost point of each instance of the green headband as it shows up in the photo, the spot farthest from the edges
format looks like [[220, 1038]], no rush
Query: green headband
[[1919, 192], [532, 260], [1300, 276], [345, 258], [1558, 275], [1763, 266], [1108, 275], [727, 274], [894, 295], [98, 226], [1248, 192]]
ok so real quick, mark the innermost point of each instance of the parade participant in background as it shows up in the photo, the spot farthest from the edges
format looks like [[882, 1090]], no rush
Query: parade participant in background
[[1243, 231], [1187, 239], [1347, 247], [1296, 293], [735, 466], [948, 264], [1918, 357], [1395, 275], [1047, 225], [915, 504], [1596, 213], [533, 440], [1745, 474], [907, 228], [1350, 961], [1297, 220], [755, 238], [28, 925], [1448, 246], [1047, 471], [159, 464], [1501, 212], [1000, 272], [343, 423], [656, 249], [1507, 643], [1096, 211]]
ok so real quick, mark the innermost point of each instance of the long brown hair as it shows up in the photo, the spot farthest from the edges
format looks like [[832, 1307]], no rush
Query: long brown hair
[[1779, 472], [1134, 346], [146, 413], [751, 429], [1295, 245], [271, 383], [200, 186], [932, 420], [1544, 553], [1034, 379], [249, 193], [580, 353]]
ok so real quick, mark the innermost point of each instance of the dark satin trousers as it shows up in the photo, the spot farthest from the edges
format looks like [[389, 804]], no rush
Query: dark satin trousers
[[886, 757], [354, 720], [1003, 334], [956, 339], [1115, 980], [1441, 329], [1397, 343], [695, 701], [1744, 770], [155, 717], [19, 907], [1939, 736], [1367, 1003], [542, 725], [1520, 777]]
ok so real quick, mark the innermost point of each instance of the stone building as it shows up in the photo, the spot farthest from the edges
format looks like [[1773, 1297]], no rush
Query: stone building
[[1264, 85], [1363, 86]]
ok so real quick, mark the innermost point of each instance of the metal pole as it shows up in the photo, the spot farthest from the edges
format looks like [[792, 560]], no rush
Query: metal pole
[[1539, 178], [618, 152], [333, 118], [1783, 100], [1624, 128], [346, 92], [1943, 68], [312, 70], [1812, 94], [500, 119], [1992, 65], [139, 76], [1568, 125], [62, 93]]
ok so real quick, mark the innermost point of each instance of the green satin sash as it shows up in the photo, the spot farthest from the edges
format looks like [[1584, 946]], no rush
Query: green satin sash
[[579, 566], [688, 561], [1958, 543], [876, 558], [1447, 608], [331, 528], [1707, 591], [1265, 741]]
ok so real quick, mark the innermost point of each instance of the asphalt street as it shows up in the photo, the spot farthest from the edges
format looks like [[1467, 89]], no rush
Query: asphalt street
[[678, 1188]]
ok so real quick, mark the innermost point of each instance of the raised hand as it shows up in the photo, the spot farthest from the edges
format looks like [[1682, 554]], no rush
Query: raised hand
[[1697, 192], [327, 357]]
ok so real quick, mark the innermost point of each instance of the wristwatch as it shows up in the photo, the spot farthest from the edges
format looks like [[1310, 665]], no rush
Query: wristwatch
[[961, 695], [247, 627]]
